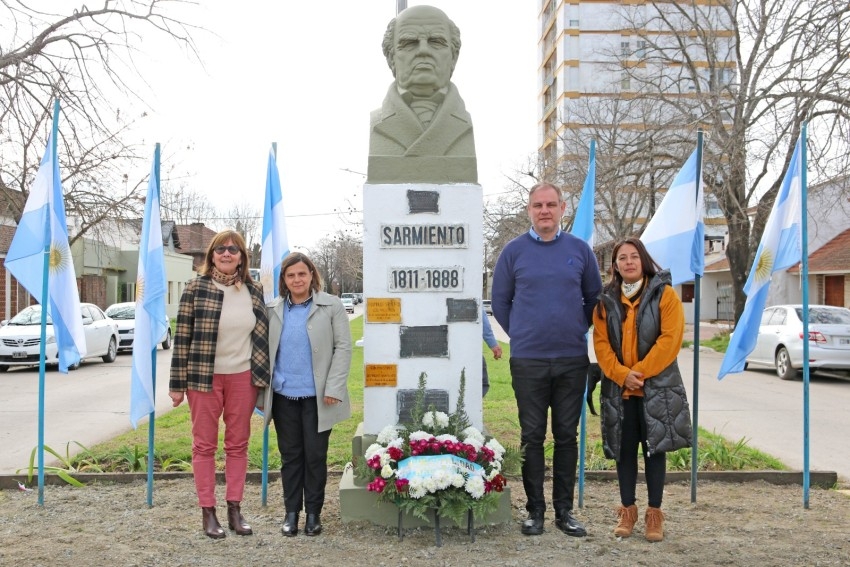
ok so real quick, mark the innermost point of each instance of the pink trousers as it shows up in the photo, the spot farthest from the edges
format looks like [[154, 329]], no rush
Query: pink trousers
[[234, 397]]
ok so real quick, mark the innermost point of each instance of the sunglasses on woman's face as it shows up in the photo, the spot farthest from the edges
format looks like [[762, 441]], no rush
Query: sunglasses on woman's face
[[232, 249]]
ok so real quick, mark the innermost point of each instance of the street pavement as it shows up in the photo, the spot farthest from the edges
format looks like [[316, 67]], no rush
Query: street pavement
[[91, 405], [766, 412]]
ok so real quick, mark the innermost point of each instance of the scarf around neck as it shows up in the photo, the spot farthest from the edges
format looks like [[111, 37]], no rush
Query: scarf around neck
[[225, 279]]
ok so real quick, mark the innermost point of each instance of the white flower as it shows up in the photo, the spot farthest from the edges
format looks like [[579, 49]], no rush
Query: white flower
[[385, 459], [428, 419], [374, 449], [387, 471], [495, 467], [475, 486], [471, 433], [387, 434], [493, 472], [398, 443], [446, 437], [429, 484], [458, 480], [442, 419], [415, 489], [497, 448]]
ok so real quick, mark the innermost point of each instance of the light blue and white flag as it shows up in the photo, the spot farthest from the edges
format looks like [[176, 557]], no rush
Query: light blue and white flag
[[43, 225], [779, 249], [275, 243], [150, 303], [583, 221], [674, 236]]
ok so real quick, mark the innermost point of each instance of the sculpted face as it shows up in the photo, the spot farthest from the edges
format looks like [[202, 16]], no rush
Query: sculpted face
[[545, 210], [422, 62]]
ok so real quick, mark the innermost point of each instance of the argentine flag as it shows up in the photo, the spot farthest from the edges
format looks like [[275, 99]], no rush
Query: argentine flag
[[275, 243], [583, 221], [674, 236], [43, 226], [779, 249], [150, 302]]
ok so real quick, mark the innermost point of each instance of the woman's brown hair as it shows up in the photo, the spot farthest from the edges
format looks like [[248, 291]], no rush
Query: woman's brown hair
[[219, 240], [294, 258]]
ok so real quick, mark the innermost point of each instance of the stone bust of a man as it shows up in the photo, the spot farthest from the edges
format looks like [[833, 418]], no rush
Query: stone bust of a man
[[422, 132]]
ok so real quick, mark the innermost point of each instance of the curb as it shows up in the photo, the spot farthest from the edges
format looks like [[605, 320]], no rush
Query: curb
[[819, 479]]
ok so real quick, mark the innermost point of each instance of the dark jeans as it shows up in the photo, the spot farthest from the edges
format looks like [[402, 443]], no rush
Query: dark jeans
[[541, 384], [654, 466], [304, 452]]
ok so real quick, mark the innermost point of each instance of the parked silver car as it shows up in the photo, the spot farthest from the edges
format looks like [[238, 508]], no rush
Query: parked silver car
[[780, 340], [124, 314], [20, 337]]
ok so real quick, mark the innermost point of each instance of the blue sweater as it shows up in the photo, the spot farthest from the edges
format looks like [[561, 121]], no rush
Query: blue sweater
[[544, 294]]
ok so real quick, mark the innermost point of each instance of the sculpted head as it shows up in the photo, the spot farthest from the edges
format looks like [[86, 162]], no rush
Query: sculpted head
[[421, 46]]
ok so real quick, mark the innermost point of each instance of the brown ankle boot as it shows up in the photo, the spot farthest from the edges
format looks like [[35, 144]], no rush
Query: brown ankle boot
[[626, 519], [654, 524], [235, 521], [211, 526]]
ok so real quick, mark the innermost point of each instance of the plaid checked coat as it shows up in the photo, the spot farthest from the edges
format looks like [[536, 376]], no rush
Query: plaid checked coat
[[193, 359]]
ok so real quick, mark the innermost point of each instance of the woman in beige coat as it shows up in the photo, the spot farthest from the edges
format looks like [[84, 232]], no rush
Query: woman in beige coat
[[310, 350]]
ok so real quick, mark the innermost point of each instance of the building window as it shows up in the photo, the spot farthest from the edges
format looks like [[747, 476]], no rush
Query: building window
[[626, 82], [624, 49], [687, 293], [640, 52], [574, 23]]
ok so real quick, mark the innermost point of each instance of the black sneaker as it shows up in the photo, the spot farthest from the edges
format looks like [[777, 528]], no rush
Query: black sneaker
[[534, 524], [569, 525]]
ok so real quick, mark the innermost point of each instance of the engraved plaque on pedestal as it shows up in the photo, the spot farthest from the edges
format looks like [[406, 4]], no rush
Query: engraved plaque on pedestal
[[423, 201], [461, 310], [424, 341], [383, 310], [406, 401], [380, 375]]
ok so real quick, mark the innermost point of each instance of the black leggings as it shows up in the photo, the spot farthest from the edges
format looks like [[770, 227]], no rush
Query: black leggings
[[655, 466]]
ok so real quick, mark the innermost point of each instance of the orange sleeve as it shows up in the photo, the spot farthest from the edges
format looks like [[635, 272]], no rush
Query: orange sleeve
[[605, 356], [669, 342]]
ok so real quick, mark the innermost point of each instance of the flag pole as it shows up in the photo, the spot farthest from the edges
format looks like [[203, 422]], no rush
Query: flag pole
[[265, 472], [591, 178], [697, 285], [152, 416], [42, 367], [805, 270]]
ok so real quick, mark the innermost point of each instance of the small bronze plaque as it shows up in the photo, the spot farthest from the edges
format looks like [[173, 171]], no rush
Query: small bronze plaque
[[425, 341], [383, 310], [461, 310], [381, 375], [406, 401], [423, 201]]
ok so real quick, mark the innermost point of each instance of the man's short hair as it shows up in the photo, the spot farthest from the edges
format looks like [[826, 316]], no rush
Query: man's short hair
[[388, 43], [546, 185]]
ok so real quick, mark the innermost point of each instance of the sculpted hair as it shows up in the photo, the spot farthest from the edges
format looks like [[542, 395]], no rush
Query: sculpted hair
[[219, 240], [316, 283], [388, 43]]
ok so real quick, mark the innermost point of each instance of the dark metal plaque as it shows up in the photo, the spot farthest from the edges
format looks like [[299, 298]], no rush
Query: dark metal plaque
[[461, 310], [423, 201], [425, 341], [406, 401]]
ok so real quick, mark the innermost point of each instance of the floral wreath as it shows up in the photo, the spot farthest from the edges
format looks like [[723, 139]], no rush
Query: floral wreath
[[447, 466]]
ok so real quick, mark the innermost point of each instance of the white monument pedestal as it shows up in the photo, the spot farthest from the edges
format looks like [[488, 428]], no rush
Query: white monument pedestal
[[423, 259]]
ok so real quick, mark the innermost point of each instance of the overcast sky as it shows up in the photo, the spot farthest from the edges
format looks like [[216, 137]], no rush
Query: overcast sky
[[306, 75]]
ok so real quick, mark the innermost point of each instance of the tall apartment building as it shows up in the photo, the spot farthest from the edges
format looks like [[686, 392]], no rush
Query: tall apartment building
[[639, 76]]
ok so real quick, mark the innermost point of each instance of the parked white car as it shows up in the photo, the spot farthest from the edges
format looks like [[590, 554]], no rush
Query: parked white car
[[780, 339], [124, 315], [348, 303], [20, 337]]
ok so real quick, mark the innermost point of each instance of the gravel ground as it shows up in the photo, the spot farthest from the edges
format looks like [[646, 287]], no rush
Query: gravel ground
[[730, 524]]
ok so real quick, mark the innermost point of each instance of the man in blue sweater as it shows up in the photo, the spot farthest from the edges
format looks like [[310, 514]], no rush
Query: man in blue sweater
[[545, 287]]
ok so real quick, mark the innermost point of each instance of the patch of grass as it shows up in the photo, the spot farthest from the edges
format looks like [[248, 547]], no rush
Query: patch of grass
[[174, 439]]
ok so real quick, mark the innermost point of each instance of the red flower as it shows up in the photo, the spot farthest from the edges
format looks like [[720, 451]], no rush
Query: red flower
[[376, 485], [395, 453], [401, 485]]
